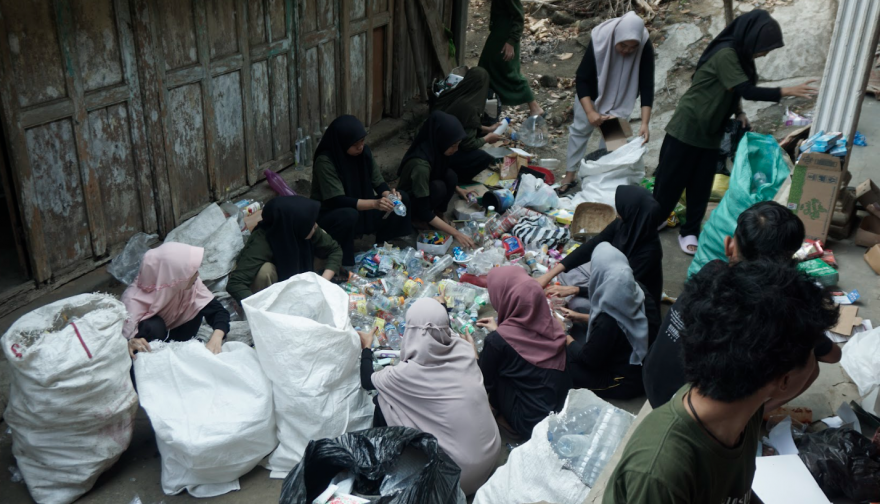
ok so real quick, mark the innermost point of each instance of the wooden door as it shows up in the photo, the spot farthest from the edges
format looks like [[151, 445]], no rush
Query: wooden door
[[366, 25], [75, 131], [318, 41]]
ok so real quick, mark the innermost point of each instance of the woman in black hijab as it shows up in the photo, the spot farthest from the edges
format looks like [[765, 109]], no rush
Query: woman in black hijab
[[353, 195], [634, 233], [725, 75], [285, 243], [466, 102], [426, 175]]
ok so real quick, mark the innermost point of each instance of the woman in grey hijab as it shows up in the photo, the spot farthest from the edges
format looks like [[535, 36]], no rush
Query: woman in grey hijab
[[606, 348]]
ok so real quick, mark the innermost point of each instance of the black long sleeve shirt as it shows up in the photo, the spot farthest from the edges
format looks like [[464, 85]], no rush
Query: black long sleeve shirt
[[216, 316], [587, 77]]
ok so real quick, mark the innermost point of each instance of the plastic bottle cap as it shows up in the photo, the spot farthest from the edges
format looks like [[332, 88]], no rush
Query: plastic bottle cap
[[491, 208]]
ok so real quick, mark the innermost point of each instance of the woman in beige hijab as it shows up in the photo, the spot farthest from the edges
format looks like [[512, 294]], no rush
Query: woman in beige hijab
[[438, 388]]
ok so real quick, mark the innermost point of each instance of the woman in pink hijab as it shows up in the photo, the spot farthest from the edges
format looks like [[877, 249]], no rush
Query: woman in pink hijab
[[168, 301], [523, 358], [437, 388]]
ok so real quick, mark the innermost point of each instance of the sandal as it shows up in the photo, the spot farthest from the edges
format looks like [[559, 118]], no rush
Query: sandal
[[688, 241], [565, 188]]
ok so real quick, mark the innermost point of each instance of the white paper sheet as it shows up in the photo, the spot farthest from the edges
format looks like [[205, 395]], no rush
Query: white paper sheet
[[784, 479], [780, 438]]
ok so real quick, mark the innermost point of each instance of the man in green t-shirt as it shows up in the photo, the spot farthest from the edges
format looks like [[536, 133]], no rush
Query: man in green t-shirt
[[747, 347]]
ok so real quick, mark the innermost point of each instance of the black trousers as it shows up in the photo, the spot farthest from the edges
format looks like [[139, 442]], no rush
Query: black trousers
[[346, 224], [605, 383], [681, 167], [467, 164], [442, 191], [154, 329]]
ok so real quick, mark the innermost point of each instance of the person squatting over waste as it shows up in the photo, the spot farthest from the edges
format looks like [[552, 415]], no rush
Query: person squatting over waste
[[285, 243], [168, 300], [355, 199], [606, 348], [523, 358], [725, 75], [459, 416], [634, 233], [466, 102], [755, 324], [501, 56], [766, 230], [426, 176], [618, 65]]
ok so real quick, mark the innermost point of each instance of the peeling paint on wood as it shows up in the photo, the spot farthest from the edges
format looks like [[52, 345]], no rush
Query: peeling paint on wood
[[327, 52], [188, 157], [358, 9], [276, 19], [36, 55], [262, 119], [280, 106], [357, 66], [229, 131], [97, 44], [222, 27], [256, 22], [177, 26], [58, 192]]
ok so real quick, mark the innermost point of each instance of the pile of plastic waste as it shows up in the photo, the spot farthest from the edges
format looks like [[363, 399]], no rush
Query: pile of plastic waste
[[388, 280]]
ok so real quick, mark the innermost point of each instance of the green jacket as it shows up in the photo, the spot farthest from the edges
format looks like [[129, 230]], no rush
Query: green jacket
[[257, 252]]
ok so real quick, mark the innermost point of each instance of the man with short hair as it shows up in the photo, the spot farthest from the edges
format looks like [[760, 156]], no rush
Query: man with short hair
[[766, 230], [747, 345]]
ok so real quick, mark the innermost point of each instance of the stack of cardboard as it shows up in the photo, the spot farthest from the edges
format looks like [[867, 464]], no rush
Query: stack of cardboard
[[843, 219], [868, 195], [816, 184]]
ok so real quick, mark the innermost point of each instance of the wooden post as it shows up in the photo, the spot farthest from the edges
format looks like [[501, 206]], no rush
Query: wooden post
[[415, 35], [728, 11]]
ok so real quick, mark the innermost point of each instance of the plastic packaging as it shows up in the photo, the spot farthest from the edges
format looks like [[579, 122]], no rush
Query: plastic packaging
[[399, 207], [127, 264], [278, 184], [433, 273], [534, 131], [385, 303], [843, 462], [513, 248], [502, 128], [393, 336], [372, 456]]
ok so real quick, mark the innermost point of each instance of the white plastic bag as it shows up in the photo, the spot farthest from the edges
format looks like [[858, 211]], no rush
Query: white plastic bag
[[71, 403], [861, 360], [212, 414], [600, 178], [535, 194], [218, 235], [126, 266], [311, 353], [534, 472]]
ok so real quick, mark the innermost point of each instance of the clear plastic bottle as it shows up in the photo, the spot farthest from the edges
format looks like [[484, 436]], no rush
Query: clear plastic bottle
[[399, 207], [392, 336], [386, 303], [607, 435], [394, 283], [433, 273], [572, 446]]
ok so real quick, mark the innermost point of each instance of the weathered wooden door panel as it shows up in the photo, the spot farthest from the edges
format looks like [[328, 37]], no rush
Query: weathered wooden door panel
[[318, 39], [367, 25], [72, 112]]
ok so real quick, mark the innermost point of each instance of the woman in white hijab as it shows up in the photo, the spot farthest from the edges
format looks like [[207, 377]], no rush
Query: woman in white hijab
[[618, 65], [607, 347], [438, 388]]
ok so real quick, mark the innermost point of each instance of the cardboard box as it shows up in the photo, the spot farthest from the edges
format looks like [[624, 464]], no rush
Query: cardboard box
[[844, 209], [513, 162], [868, 195], [868, 234], [872, 257], [615, 132], [848, 319], [815, 184]]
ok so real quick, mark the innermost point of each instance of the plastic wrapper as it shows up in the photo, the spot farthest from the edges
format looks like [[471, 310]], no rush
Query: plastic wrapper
[[375, 457], [843, 462], [127, 264]]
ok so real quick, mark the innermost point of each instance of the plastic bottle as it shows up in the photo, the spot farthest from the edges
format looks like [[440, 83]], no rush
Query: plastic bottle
[[386, 303], [433, 273], [758, 179], [572, 446], [399, 207], [502, 128], [412, 286], [610, 429], [392, 336], [394, 284]]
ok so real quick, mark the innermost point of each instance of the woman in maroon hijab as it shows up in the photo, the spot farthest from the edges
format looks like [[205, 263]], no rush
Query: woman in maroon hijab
[[523, 358]]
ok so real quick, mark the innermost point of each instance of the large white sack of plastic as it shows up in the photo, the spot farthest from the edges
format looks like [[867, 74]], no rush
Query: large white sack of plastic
[[219, 235], [71, 404], [600, 178], [861, 360], [311, 353], [212, 414], [535, 473]]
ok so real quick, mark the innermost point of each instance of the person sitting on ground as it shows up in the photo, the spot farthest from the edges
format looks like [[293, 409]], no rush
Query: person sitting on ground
[[725, 75], [634, 233], [282, 245], [353, 195], [766, 230], [168, 300], [606, 348], [523, 358], [466, 102], [425, 173], [618, 65], [747, 346], [459, 417]]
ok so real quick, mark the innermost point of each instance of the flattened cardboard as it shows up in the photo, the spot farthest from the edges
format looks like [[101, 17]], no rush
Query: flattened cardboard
[[815, 184], [872, 257], [868, 234], [615, 132], [512, 164], [848, 319]]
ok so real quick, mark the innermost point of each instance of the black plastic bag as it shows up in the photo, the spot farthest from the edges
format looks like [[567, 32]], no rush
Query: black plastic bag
[[733, 133], [843, 462], [369, 455]]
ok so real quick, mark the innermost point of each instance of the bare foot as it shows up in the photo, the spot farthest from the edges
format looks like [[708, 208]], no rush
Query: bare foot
[[535, 109]]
